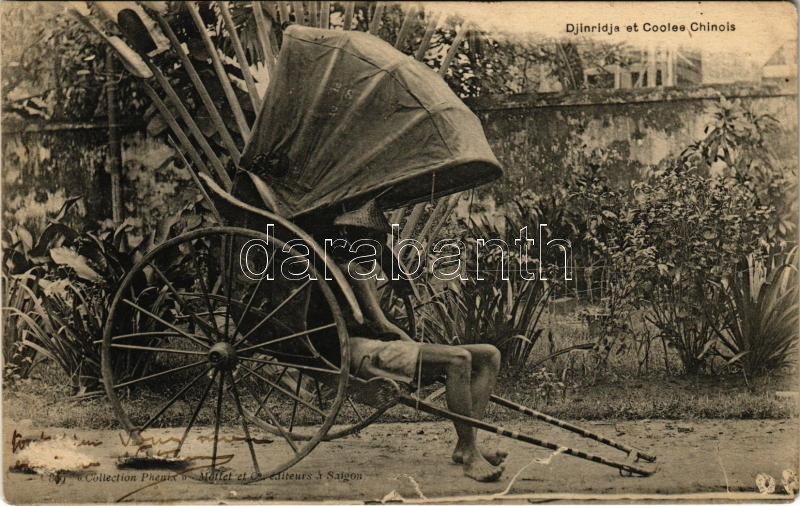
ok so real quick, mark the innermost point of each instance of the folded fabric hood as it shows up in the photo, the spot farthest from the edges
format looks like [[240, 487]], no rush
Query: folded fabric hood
[[347, 118]]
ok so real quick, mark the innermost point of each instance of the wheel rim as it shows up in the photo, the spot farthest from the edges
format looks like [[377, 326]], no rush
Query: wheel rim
[[212, 344]]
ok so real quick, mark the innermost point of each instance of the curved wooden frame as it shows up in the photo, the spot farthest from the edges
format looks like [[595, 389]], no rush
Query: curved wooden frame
[[341, 281]]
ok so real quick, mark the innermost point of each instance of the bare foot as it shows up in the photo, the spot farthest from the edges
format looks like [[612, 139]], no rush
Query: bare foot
[[480, 470], [493, 457]]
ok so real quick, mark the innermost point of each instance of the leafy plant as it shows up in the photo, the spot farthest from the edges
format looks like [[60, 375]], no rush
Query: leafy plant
[[480, 312], [53, 68], [547, 385], [62, 326], [737, 143], [584, 211], [676, 235], [483, 306], [760, 331], [26, 246], [71, 285], [17, 359], [26, 258], [691, 230]]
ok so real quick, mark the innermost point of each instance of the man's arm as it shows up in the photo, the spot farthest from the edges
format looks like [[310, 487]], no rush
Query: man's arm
[[366, 292]]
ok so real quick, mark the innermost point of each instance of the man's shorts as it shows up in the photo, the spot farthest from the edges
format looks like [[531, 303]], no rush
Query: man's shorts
[[394, 359]]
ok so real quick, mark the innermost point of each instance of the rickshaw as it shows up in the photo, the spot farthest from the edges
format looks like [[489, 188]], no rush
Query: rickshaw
[[252, 313]]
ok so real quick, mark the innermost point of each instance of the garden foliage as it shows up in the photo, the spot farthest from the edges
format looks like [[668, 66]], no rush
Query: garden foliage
[[760, 320], [698, 244], [672, 247], [483, 305], [61, 281]]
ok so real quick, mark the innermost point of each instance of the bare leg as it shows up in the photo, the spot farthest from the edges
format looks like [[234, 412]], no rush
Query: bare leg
[[485, 366], [456, 361], [471, 374]]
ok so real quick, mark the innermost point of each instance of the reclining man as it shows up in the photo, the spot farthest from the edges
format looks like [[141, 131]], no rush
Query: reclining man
[[386, 350]]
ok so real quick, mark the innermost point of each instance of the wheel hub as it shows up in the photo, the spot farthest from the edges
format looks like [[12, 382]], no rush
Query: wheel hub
[[222, 356]]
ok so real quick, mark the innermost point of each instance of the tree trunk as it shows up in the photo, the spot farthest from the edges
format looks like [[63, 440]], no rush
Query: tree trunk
[[114, 146]]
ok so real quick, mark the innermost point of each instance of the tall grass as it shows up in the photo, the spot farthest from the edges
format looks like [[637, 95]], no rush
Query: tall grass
[[17, 358], [62, 326]]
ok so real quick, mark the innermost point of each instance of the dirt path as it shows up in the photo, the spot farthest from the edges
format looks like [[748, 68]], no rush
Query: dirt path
[[413, 458]]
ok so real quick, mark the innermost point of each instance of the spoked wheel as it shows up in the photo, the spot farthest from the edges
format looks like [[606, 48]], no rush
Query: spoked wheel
[[208, 333], [363, 404]]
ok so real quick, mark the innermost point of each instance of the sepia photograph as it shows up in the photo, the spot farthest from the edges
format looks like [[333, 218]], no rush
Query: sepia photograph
[[278, 252]]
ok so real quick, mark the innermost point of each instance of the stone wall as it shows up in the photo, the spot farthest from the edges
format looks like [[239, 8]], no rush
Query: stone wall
[[43, 166], [536, 138]]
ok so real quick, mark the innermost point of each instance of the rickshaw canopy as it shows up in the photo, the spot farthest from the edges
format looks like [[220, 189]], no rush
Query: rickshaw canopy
[[347, 118]]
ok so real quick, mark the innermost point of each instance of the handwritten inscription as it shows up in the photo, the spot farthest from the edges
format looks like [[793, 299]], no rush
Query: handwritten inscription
[[20, 442], [151, 444]]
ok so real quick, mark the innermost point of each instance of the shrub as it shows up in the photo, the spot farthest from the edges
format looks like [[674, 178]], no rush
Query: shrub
[[27, 239], [62, 326], [691, 230], [760, 328], [738, 143], [580, 207], [502, 313], [661, 244]]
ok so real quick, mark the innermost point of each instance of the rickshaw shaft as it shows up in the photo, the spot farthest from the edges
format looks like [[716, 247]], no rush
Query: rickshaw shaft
[[525, 438], [572, 428]]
